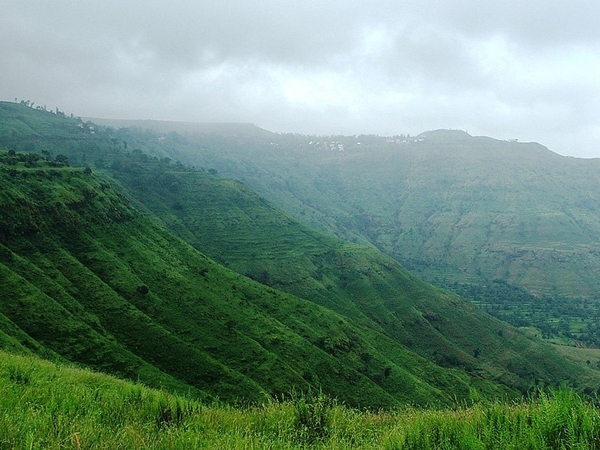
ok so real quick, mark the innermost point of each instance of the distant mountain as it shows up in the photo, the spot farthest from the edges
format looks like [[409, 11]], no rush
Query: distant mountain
[[452, 207]]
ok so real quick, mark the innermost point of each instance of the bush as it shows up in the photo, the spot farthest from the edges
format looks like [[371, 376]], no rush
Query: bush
[[312, 417]]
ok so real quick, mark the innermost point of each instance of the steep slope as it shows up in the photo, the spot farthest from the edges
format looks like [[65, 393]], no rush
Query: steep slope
[[230, 223], [449, 205], [86, 277]]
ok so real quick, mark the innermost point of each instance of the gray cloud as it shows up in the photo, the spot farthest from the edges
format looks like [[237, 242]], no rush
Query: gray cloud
[[527, 70]]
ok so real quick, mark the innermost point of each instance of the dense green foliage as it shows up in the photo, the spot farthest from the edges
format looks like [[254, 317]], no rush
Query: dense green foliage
[[575, 320], [47, 406]]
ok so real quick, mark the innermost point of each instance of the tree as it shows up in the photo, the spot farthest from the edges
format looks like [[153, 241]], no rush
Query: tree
[[62, 159]]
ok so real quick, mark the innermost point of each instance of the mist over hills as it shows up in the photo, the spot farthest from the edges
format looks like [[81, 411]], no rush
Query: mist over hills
[[93, 272], [464, 212], [191, 128], [448, 205]]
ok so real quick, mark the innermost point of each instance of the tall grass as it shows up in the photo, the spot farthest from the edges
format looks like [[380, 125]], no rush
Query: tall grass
[[44, 406]]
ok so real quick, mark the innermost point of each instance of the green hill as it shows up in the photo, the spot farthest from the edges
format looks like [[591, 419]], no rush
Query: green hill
[[460, 211], [230, 223], [447, 204], [88, 278]]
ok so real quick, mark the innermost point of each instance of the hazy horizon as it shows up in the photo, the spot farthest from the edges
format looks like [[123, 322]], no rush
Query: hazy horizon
[[509, 70]]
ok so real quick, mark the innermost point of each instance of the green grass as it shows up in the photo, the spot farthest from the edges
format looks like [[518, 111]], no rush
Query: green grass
[[43, 405]]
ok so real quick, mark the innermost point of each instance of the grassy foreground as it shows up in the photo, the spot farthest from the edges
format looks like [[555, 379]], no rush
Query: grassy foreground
[[43, 405]]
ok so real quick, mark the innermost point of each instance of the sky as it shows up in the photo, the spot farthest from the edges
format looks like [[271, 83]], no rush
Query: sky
[[510, 69]]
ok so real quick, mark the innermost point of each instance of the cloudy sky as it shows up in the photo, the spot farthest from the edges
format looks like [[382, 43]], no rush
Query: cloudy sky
[[508, 69]]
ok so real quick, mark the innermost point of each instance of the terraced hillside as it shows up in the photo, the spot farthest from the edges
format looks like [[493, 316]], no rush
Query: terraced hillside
[[448, 205], [233, 225]]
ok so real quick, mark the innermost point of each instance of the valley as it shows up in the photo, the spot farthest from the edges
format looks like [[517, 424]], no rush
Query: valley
[[118, 255], [465, 213]]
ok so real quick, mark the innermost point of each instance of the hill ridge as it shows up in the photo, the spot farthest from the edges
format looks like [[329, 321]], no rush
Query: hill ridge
[[166, 126]]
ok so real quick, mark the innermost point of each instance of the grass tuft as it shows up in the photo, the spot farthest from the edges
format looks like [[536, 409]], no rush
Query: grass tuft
[[312, 411]]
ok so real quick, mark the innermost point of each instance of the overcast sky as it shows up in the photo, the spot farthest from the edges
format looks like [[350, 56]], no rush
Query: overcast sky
[[525, 69]]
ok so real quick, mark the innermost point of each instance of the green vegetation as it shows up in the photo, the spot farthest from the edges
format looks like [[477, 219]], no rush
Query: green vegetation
[[231, 224], [574, 320], [88, 278], [452, 208], [263, 333], [91, 279], [43, 405]]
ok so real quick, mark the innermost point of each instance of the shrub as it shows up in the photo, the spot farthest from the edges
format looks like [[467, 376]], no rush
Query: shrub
[[312, 416]]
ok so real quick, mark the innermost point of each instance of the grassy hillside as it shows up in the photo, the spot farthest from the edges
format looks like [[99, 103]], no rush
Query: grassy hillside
[[86, 277], [90, 410], [457, 210], [230, 223]]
